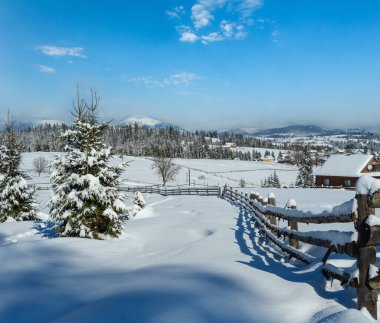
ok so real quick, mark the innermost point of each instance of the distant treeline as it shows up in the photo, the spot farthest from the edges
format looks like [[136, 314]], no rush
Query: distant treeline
[[140, 141]]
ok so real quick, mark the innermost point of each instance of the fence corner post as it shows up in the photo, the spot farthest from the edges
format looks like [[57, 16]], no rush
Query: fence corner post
[[272, 201], [293, 224], [367, 297]]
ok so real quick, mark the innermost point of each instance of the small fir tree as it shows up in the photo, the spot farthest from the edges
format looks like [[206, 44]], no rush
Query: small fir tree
[[305, 176], [138, 199], [271, 181], [242, 183], [16, 197], [275, 180], [138, 203], [85, 200]]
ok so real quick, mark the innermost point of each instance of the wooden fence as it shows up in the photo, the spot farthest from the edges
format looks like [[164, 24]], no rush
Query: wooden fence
[[174, 190], [360, 244], [203, 191]]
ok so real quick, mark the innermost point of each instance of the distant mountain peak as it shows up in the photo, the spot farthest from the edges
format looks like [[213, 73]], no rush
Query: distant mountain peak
[[146, 122], [43, 122], [141, 121]]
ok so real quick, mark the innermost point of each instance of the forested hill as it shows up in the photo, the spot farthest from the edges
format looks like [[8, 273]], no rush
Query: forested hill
[[140, 141]]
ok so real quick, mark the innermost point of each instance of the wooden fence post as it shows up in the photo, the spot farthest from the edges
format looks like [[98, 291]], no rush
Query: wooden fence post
[[272, 201], [367, 297], [293, 224]]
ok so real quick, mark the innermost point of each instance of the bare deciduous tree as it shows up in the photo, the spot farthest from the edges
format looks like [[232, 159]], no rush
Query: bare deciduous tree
[[165, 167], [40, 165]]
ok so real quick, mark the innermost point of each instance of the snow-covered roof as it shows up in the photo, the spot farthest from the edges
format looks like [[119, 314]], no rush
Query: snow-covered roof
[[344, 165]]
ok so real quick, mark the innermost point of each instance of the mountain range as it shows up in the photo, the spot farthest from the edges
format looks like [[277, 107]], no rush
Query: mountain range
[[298, 130]]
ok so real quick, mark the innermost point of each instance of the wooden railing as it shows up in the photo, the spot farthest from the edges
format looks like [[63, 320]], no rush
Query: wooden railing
[[203, 191], [174, 190], [359, 244]]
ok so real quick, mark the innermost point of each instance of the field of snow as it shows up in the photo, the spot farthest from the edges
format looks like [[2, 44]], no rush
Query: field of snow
[[202, 171], [181, 259]]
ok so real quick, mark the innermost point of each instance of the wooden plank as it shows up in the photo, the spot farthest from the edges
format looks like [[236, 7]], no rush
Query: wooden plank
[[317, 219]]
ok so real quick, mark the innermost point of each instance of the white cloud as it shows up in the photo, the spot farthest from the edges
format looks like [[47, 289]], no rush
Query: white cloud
[[211, 27], [61, 51], [212, 37], [176, 79], [247, 7], [176, 12], [181, 78], [46, 69], [201, 12], [227, 28], [201, 16], [240, 32], [188, 36]]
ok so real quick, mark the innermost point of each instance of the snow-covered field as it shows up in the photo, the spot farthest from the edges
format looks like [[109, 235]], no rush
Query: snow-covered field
[[202, 171], [181, 259]]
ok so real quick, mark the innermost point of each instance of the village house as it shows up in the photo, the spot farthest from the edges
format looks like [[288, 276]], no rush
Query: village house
[[230, 145], [267, 159], [344, 170]]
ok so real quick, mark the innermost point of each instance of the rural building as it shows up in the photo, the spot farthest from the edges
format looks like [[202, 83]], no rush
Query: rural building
[[229, 145], [267, 159], [344, 170]]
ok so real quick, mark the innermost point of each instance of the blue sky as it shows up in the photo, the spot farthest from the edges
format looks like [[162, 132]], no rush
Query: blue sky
[[197, 63]]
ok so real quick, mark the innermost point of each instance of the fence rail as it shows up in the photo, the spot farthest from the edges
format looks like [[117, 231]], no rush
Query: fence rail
[[202, 191], [359, 244], [177, 190]]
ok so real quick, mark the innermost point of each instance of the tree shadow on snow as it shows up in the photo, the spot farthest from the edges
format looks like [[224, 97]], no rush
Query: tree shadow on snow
[[169, 294], [267, 257], [46, 229], [47, 282], [2, 238]]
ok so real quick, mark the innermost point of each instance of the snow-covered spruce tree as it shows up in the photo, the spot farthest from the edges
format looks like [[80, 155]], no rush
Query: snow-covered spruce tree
[[271, 181], [85, 201], [276, 180], [138, 203], [138, 199], [16, 197], [305, 176]]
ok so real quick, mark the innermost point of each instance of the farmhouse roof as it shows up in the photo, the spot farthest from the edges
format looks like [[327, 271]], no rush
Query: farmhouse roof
[[344, 165]]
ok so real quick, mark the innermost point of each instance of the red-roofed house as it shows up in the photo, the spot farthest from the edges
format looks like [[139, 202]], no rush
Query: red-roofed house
[[344, 170]]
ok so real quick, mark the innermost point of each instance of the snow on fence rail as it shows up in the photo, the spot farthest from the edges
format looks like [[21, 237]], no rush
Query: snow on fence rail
[[203, 191], [360, 244], [177, 190]]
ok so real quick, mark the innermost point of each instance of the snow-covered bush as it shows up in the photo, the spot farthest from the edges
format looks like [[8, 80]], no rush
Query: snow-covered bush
[[138, 199], [16, 197], [242, 183], [86, 201], [138, 203]]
